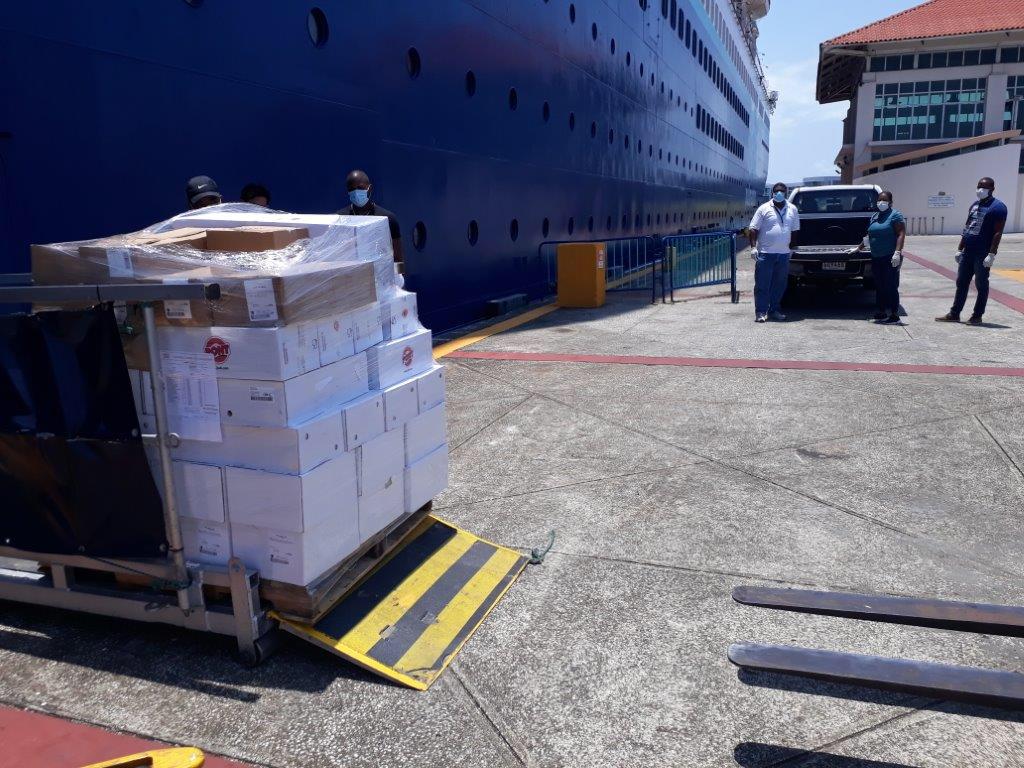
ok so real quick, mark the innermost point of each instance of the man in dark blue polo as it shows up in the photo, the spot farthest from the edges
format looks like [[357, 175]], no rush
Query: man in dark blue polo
[[977, 251]]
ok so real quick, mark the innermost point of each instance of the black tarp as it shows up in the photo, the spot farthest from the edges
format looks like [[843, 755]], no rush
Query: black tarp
[[73, 472]]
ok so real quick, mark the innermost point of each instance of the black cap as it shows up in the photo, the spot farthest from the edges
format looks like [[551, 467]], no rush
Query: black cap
[[200, 187]]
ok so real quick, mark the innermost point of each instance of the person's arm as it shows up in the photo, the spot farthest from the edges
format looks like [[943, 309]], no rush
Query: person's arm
[[396, 238], [996, 238], [752, 233], [901, 234], [397, 244], [793, 237], [752, 236]]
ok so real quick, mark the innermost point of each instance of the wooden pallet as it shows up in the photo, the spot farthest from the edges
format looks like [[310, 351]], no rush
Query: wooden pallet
[[309, 603]]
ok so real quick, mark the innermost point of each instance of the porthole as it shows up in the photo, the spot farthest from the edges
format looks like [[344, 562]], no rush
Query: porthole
[[639, 147], [641, 69], [625, 222], [590, 224], [316, 24], [661, 154], [629, 59], [572, 13], [473, 232], [675, 217], [658, 219], [513, 99], [650, 150], [413, 63], [513, 229], [470, 83], [545, 227], [572, 121], [626, 141], [636, 221], [663, 87], [593, 130], [609, 224], [671, 94], [546, 112], [652, 79], [611, 135], [419, 236], [613, 46], [593, 31], [572, 225], [670, 157]]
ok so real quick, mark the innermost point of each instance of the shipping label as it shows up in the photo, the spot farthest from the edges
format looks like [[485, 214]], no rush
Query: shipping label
[[259, 297], [193, 402], [119, 262], [261, 395]]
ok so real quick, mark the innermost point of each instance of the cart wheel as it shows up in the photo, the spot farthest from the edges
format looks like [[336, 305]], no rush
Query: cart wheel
[[261, 650]]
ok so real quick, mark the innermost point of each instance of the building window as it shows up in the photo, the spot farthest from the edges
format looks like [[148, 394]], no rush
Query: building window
[[935, 109]]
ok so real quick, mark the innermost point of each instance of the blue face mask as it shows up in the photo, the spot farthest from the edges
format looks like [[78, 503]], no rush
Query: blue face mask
[[359, 197], [779, 197]]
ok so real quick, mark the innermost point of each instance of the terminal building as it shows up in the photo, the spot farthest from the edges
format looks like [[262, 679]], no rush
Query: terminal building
[[936, 98]]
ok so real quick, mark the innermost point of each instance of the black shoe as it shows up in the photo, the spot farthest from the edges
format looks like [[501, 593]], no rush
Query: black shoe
[[949, 317], [890, 320], [975, 320], [880, 316]]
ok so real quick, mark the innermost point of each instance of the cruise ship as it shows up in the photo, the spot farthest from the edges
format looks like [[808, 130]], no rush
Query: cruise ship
[[488, 126]]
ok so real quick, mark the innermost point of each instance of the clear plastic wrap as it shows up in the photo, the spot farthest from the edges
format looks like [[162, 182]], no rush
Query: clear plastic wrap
[[274, 268]]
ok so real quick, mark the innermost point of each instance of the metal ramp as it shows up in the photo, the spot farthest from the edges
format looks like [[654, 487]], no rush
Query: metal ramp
[[407, 617]]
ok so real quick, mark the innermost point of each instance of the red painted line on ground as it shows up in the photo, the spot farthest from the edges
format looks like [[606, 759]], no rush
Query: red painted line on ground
[[711, 362], [1006, 299], [34, 739]]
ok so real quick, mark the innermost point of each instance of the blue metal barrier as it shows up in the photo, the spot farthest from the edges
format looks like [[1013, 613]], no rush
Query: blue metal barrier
[[631, 263], [703, 259]]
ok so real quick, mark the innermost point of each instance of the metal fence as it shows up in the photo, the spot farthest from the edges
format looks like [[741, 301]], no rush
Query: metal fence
[[652, 262]]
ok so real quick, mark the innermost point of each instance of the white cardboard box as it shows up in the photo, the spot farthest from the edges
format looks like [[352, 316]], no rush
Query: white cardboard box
[[362, 420], [206, 542], [379, 510], [367, 326], [278, 404], [290, 502], [288, 450], [275, 354], [426, 478], [398, 316], [391, 362], [424, 434], [335, 338], [299, 558], [430, 388], [400, 404], [199, 491], [379, 461]]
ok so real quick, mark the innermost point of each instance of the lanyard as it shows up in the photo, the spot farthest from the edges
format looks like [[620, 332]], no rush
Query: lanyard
[[781, 215]]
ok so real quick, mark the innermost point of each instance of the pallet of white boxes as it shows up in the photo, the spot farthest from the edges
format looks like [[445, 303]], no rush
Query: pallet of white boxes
[[309, 409]]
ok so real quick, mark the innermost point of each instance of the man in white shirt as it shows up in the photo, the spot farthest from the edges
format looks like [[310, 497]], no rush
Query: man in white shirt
[[771, 243]]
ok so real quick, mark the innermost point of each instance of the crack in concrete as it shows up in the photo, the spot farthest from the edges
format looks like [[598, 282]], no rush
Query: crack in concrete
[[1013, 462], [517, 751]]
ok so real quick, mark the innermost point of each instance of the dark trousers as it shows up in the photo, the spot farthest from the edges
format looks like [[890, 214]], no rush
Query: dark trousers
[[971, 266], [887, 285]]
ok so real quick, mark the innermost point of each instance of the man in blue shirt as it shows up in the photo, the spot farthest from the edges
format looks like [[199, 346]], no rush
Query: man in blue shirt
[[978, 246]]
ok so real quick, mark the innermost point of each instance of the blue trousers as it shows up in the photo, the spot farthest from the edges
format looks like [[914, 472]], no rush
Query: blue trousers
[[887, 285], [971, 266], [771, 272]]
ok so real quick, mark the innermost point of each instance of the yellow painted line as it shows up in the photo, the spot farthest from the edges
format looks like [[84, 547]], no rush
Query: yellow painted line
[[477, 336], [454, 617], [1013, 274], [364, 635]]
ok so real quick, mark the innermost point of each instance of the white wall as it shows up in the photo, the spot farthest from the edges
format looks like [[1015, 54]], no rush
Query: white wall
[[957, 176]]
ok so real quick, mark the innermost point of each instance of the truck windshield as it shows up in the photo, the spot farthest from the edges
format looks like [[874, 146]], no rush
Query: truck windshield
[[836, 201]]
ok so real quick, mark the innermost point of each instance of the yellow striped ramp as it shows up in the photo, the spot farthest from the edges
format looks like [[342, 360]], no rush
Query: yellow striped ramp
[[409, 616]]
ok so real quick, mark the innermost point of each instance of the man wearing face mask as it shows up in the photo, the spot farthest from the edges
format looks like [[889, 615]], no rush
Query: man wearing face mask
[[977, 251], [359, 191], [771, 243]]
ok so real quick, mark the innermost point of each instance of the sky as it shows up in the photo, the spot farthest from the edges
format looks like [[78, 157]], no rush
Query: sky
[[806, 135]]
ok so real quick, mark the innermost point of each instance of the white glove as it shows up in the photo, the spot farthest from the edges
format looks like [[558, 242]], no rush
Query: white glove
[[897, 258], [754, 253], [989, 260], [959, 255]]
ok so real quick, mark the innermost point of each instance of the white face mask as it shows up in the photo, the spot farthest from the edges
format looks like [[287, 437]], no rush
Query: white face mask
[[983, 193], [883, 206]]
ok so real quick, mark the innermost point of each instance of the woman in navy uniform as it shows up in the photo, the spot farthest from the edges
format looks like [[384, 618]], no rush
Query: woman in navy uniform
[[885, 235]]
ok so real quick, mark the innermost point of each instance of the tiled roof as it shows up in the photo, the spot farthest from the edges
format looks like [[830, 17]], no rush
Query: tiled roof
[[939, 18]]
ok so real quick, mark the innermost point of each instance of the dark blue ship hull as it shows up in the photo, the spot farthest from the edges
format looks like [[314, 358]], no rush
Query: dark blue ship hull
[[517, 115]]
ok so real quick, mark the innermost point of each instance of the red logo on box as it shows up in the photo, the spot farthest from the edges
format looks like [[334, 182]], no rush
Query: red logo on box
[[407, 357], [405, 312], [220, 349]]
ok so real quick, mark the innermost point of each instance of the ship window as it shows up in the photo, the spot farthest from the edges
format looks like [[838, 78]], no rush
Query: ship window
[[636, 222], [419, 236], [546, 111], [641, 69], [593, 31], [593, 130], [590, 224], [652, 79], [626, 141], [671, 94], [316, 24], [673, 14], [613, 46], [688, 32], [650, 150], [572, 13], [412, 63], [611, 135], [670, 157], [629, 59], [572, 121], [609, 224], [572, 224], [658, 219], [545, 227], [681, 24], [639, 147], [513, 229], [513, 99], [473, 232], [662, 86], [470, 83], [643, 5], [664, 8]]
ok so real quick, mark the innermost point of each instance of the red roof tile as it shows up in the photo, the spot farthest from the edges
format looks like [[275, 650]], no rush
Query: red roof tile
[[939, 18]]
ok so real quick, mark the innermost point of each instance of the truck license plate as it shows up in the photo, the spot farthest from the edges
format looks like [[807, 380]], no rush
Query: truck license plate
[[836, 265]]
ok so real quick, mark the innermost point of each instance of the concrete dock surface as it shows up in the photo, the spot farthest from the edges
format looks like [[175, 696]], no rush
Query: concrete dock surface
[[744, 456]]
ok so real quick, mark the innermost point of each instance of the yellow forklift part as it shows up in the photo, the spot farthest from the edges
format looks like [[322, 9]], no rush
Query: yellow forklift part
[[179, 757], [408, 617]]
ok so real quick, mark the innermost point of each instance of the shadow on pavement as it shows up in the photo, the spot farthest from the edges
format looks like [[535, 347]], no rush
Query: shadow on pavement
[[756, 755]]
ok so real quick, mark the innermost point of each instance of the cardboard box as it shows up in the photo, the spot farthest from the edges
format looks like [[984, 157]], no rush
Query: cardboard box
[[265, 403], [300, 558], [290, 502], [273, 354], [367, 328], [398, 316], [362, 420], [335, 338], [199, 491], [379, 461], [425, 434], [206, 542], [379, 510], [400, 404], [315, 223], [430, 388], [253, 239], [288, 450], [391, 362], [426, 479]]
